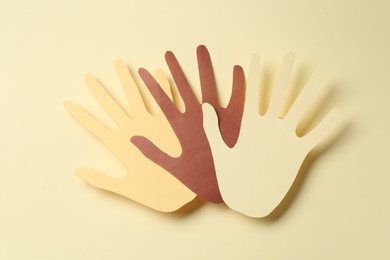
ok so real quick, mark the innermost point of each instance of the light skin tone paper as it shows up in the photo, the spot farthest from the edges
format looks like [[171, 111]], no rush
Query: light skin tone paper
[[194, 167], [256, 174], [145, 182]]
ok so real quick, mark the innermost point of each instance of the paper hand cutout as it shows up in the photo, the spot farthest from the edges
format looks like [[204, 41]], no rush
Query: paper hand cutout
[[145, 182], [257, 173], [195, 166], [229, 117]]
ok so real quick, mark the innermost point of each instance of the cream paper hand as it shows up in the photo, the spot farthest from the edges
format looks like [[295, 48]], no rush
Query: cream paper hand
[[145, 182], [256, 174]]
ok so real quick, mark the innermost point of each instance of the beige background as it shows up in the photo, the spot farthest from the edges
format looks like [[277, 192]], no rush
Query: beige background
[[341, 210]]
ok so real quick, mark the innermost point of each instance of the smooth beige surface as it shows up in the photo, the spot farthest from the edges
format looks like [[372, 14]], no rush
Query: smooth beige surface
[[341, 209]]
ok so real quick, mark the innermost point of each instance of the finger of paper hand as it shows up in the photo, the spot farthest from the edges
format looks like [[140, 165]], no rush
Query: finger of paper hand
[[166, 105], [230, 118], [151, 151], [130, 88], [210, 125], [281, 85], [304, 99], [206, 76], [163, 81], [107, 102], [326, 128], [88, 122], [98, 179], [188, 96]]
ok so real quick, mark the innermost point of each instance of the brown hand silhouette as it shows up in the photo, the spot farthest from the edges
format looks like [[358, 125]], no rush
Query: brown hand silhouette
[[229, 117], [195, 166]]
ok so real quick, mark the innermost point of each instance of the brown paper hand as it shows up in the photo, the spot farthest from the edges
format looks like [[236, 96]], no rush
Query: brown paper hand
[[194, 167], [229, 117]]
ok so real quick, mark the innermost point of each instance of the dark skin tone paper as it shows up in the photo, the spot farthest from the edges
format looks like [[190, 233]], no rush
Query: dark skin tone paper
[[231, 116], [195, 166]]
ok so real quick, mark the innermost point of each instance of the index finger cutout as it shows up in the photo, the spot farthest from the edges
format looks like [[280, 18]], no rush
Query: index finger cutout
[[182, 83], [304, 99], [108, 103], [162, 99], [130, 88], [163, 81], [282, 82], [88, 122], [328, 127], [206, 75]]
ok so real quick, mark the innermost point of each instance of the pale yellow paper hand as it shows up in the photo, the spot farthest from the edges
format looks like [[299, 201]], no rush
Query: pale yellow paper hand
[[256, 174], [145, 182]]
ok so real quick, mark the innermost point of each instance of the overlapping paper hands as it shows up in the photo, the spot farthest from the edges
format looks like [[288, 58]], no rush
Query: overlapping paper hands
[[194, 167], [257, 173], [249, 165], [145, 182]]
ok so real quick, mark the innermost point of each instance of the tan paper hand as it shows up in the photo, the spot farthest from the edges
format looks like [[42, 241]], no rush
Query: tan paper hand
[[256, 174], [145, 182]]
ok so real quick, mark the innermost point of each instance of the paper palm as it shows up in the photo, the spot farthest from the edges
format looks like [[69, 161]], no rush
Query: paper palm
[[256, 174], [145, 182]]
